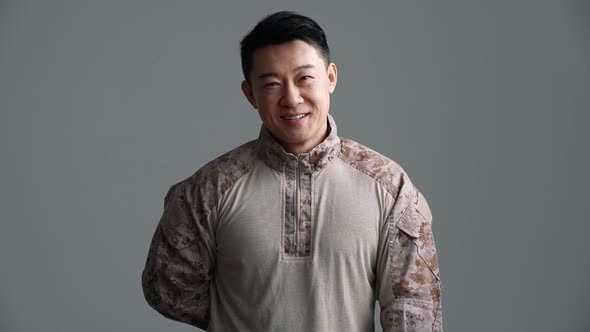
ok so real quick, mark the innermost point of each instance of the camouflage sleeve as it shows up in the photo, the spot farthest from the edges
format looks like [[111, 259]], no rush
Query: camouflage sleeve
[[413, 281], [180, 262]]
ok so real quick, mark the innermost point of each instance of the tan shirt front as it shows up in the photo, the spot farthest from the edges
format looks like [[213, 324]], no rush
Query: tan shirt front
[[262, 240]]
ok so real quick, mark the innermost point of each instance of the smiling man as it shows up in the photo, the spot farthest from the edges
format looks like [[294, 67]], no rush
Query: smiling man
[[300, 229], [290, 85]]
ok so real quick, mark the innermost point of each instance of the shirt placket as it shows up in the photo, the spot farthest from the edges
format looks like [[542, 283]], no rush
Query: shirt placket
[[297, 241]]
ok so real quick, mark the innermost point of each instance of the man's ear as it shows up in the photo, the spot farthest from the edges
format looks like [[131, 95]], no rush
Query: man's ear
[[247, 90], [332, 76]]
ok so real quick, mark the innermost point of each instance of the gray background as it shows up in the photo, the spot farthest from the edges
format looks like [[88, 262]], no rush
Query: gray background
[[105, 104]]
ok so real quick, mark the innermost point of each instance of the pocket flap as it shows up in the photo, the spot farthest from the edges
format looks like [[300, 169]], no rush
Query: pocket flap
[[408, 223]]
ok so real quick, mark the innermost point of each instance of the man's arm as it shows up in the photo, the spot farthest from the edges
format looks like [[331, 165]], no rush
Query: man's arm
[[410, 288], [180, 262]]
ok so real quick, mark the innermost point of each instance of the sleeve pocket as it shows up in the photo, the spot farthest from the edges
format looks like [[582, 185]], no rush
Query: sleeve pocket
[[416, 222]]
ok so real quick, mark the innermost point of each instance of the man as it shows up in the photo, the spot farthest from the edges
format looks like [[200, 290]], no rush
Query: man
[[298, 230]]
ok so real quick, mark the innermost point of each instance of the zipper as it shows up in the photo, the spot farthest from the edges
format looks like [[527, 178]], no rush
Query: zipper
[[297, 207]]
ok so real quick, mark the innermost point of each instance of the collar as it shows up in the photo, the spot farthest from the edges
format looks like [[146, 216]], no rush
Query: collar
[[273, 154]]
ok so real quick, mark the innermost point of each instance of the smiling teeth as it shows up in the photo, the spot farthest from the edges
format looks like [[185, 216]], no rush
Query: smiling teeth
[[294, 117]]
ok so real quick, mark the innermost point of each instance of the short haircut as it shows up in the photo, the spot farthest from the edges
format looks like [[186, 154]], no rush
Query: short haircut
[[279, 28]]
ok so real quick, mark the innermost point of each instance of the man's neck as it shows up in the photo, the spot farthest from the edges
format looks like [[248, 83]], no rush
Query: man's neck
[[297, 149]]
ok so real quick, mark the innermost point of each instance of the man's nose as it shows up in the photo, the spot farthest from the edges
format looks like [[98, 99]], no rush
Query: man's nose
[[291, 96]]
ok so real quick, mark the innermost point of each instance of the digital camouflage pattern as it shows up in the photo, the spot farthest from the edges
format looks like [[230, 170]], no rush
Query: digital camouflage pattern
[[414, 265], [181, 258], [180, 268], [298, 172]]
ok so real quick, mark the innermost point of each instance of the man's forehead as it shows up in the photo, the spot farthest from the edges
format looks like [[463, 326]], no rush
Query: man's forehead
[[294, 54]]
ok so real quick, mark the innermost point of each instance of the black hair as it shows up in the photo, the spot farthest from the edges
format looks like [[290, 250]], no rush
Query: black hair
[[278, 28]]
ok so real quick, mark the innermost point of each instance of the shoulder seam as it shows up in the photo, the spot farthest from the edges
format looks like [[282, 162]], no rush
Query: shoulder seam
[[368, 175]]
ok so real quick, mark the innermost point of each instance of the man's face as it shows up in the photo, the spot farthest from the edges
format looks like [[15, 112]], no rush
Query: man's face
[[290, 87]]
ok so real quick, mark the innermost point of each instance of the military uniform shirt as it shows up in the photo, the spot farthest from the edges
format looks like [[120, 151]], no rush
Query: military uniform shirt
[[263, 240]]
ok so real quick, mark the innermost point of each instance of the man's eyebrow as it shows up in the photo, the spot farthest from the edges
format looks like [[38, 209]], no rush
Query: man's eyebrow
[[274, 74], [303, 67], [267, 74]]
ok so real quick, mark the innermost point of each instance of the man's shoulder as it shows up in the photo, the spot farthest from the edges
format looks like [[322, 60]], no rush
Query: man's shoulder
[[235, 162], [385, 171], [219, 174]]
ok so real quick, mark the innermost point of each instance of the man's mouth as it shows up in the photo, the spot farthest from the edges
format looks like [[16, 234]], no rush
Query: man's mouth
[[293, 117]]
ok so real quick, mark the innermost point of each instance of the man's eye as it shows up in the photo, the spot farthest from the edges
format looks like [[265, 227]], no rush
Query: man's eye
[[271, 85], [305, 78]]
